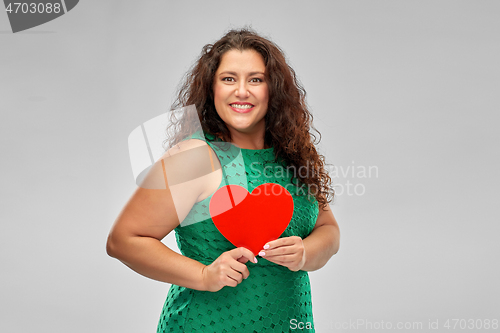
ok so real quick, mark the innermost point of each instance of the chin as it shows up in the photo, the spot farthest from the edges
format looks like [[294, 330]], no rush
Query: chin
[[242, 129]]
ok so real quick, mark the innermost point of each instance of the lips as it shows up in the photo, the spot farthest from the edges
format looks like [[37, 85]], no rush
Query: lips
[[241, 107]]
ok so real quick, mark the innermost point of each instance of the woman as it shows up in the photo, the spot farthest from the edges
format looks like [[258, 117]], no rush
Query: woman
[[245, 94]]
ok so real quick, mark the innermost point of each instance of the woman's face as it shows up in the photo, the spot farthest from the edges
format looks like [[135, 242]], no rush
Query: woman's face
[[240, 91]]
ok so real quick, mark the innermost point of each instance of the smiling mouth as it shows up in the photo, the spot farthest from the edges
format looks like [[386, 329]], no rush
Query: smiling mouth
[[242, 106]]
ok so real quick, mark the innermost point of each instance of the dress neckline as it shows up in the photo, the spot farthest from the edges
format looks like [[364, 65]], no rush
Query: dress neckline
[[214, 138], [252, 150]]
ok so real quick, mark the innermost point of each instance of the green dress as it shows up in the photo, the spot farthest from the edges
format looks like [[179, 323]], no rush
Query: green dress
[[273, 298]]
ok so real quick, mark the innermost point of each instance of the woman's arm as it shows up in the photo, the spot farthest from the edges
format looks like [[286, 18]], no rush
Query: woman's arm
[[135, 240], [150, 215], [323, 242]]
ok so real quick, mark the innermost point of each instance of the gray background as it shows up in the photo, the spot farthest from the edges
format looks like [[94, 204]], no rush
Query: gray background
[[410, 87]]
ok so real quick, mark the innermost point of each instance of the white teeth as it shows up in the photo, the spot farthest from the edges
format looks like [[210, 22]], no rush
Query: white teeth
[[238, 106]]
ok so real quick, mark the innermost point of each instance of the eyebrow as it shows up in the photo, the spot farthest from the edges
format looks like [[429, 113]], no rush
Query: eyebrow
[[234, 73]]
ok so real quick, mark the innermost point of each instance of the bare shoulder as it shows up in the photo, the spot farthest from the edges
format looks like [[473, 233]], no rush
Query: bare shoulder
[[169, 191], [185, 146], [181, 164], [190, 163]]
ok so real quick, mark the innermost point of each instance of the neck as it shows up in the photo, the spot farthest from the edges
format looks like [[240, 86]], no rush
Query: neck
[[254, 140]]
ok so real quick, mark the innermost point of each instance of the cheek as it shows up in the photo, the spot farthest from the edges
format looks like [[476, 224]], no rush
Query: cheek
[[220, 93], [219, 100], [264, 95], [216, 93]]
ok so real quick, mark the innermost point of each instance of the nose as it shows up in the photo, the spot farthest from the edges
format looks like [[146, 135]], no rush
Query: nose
[[242, 90]]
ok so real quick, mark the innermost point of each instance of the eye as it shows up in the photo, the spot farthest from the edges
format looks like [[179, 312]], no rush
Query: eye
[[228, 79], [256, 80]]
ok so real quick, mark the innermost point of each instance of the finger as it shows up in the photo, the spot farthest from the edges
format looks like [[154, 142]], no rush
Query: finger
[[281, 242], [243, 252], [276, 261], [230, 282], [282, 258], [243, 260], [240, 268], [282, 250], [235, 275]]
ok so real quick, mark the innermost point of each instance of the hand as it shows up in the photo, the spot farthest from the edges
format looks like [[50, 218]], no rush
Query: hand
[[228, 269], [286, 251]]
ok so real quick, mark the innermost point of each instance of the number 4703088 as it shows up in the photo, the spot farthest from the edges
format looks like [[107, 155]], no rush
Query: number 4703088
[[32, 8], [475, 324]]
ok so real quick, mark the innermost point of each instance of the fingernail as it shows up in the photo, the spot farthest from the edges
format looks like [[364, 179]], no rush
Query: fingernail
[[266, 246], [254, 260], [262, 253]]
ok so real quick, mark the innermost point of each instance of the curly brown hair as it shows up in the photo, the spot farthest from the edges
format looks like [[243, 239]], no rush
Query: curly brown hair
[[288, 120]]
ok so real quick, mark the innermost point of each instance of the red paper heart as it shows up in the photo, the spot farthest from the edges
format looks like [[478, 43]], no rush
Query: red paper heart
[[252, 219]]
